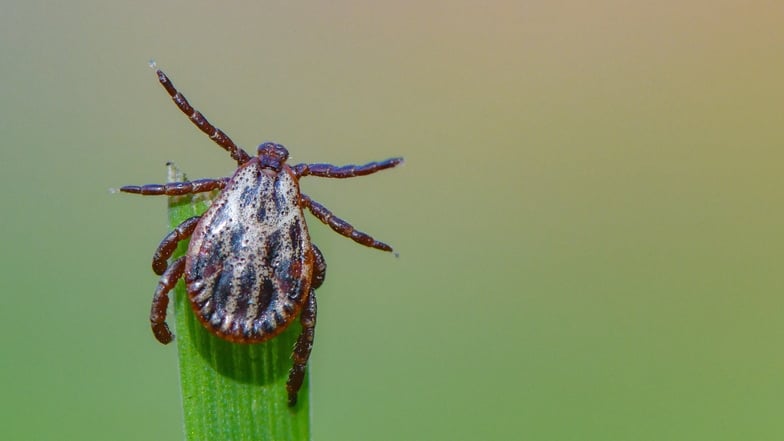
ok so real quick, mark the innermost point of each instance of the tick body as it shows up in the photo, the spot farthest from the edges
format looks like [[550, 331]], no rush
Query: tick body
[[250, 269]]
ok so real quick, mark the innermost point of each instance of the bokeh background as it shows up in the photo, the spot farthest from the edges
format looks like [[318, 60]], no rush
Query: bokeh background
[[589, 219]]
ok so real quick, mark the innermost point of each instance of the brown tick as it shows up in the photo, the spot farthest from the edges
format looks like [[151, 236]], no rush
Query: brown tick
[[250, 268]]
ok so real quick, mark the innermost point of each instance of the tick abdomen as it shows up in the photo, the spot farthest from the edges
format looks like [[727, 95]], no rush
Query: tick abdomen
[[250, 257]]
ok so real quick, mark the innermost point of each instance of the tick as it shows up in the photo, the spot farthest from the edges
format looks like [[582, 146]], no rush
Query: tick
[[250, 268]]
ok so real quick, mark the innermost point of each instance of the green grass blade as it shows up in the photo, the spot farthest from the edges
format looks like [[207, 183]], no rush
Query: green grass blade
[[232, 391]]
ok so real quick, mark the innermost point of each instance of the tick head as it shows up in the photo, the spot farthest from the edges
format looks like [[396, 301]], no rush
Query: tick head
[[272, 155]]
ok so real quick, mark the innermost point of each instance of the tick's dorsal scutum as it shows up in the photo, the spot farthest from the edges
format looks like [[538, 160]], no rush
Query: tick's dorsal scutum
[[250, 268], [251, 256]]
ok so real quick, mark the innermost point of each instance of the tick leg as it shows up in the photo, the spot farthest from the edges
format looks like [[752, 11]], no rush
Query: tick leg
[[340, 226], [304, 343], [160, 300], [169, 243], [215, 134], [346, 171], [177, 188], [320, 272], [302, 348]]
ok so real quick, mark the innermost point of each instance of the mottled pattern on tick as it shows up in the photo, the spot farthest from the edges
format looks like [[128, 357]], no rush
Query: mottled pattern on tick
[[250, 256]]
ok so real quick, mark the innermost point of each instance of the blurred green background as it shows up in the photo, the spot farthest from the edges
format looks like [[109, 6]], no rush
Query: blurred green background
[[589, 219]]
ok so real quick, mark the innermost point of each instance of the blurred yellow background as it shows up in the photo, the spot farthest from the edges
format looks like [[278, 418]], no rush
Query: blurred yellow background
[[589, 219]]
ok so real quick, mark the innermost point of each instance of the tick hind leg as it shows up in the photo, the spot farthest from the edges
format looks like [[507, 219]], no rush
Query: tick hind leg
[[215, 134], [340, 226], [160, 300], [304, 343]]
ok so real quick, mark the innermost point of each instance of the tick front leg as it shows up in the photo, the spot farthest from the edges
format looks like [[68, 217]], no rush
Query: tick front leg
[[340, 226], [215, 134], [302, 348], [170, 242], [160, 300], [177, 188], [345, 171]]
